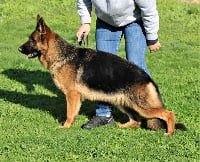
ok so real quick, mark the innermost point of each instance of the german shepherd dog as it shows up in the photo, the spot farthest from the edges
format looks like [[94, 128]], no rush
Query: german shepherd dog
[[99, 76]]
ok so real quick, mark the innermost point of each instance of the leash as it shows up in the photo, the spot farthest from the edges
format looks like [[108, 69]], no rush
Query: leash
[[84, 39]]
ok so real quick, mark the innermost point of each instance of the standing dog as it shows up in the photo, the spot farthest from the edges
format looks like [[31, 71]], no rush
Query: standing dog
[[94, 75]]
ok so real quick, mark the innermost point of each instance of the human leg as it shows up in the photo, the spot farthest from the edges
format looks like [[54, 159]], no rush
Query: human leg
[[107, 40], [135, 44], [107, 37]]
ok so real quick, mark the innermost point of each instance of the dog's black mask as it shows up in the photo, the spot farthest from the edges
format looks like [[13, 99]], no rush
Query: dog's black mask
[[29, 50]]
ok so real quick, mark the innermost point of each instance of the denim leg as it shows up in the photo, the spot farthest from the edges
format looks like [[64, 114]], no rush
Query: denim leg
[[107, 40], [107, 37], [135, 45]]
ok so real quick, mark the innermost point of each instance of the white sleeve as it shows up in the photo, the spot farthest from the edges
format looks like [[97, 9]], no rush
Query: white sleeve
[[84, 8], [150, 17]]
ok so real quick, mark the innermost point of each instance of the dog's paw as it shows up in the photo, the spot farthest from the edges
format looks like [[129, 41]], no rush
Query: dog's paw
[[65, 125], [61, 127], [168, 134]]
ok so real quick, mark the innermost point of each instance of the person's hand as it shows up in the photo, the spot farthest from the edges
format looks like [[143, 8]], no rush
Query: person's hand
[[83, 31], [154, 47]]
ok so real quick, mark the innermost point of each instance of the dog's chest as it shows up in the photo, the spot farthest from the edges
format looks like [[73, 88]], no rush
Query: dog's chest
[[64, 78], [57, 82]]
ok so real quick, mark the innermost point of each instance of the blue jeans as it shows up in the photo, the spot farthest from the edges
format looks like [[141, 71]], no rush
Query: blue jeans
[[108, 40]]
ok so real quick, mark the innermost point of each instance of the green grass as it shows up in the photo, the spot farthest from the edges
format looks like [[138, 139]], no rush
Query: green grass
[[31, 107]]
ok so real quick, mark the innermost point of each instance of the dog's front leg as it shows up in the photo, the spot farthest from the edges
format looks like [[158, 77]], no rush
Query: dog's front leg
[[73, 107]]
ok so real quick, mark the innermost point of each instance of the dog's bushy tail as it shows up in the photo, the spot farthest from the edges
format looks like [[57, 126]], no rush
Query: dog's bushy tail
[[181, 126], [158, 124]]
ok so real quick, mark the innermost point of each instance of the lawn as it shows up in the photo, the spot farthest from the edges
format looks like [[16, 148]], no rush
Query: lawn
[[32, 108]]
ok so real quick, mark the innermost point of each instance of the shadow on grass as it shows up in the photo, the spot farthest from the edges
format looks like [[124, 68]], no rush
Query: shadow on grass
[[56, 106]]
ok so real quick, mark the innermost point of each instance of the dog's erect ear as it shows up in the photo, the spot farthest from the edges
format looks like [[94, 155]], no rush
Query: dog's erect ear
[[41, 26], [38, 17]]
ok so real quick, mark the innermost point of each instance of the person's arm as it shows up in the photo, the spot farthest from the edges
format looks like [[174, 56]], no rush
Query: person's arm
[[84, 8], [150, 20]]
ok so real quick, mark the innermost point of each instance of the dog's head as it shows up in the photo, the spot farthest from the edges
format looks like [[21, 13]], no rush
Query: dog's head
[[37, 42]]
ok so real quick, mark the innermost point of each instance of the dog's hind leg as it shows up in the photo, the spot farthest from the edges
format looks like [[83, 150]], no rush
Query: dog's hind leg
[[134, 120], [160, 113], [147, 102], [73, 107]]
